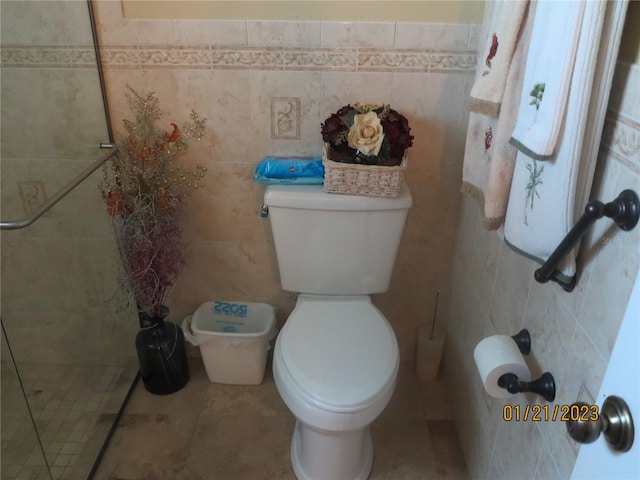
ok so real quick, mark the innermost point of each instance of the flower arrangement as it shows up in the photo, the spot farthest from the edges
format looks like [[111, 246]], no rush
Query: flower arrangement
[[144, 191], [367, 134]]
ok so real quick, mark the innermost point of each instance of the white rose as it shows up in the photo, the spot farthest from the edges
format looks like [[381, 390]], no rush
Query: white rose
[[366, 135]]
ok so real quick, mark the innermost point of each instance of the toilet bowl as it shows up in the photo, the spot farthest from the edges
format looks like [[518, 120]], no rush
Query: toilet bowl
[[335, 366], [336, 358]]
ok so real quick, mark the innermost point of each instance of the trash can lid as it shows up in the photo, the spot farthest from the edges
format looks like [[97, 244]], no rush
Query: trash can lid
[[243, 319]]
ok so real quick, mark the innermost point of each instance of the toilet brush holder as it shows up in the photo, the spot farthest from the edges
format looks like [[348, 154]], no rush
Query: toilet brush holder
[[429, 353]]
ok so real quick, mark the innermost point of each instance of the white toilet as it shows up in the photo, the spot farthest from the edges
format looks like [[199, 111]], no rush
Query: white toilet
[[336, 358]]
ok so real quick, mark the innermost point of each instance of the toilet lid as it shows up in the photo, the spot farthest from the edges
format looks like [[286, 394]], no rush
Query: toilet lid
[[340, 353]]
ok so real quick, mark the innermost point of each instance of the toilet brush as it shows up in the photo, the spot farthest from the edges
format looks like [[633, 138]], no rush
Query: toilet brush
[[435, 313], [429, 348]]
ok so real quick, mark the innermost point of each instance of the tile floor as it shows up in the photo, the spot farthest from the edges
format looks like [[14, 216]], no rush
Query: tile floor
[[227, 432], [73, 408]]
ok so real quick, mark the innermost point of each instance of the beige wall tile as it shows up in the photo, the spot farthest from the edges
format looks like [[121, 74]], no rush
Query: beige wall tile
[[45, 23], [207, 32], [280, 33], [113, 29], [440, 35], [359, 34]]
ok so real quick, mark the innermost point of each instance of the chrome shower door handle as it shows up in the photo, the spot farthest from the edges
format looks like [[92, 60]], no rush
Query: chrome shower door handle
[[614, 420]]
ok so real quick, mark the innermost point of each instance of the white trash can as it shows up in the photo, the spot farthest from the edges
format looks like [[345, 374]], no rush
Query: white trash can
[[233, 338]]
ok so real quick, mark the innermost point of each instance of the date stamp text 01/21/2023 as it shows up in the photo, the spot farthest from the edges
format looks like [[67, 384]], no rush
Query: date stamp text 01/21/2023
[[546, 413]]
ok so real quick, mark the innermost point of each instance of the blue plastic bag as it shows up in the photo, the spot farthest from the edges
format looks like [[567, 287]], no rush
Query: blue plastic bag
[[293, 170]]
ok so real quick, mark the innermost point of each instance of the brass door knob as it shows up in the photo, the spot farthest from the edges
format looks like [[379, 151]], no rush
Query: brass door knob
[[614, 420]]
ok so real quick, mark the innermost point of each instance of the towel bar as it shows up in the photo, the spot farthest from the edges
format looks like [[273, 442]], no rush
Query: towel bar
[[624, 210]]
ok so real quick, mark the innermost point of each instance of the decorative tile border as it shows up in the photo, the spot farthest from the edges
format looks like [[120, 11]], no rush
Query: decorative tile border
[[445, 62], [247, 58], [621, 139], [354, 59], [335, 59], [45, 56], [401, 60], [166, 58]]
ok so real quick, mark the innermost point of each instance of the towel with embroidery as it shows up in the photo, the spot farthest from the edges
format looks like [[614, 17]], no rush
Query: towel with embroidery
[[550, 64], [496, 195], [489, 157], [500, 35], [547, 196]]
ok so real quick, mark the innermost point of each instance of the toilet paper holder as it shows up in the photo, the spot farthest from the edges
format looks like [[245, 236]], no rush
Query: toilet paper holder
[[544, 386]]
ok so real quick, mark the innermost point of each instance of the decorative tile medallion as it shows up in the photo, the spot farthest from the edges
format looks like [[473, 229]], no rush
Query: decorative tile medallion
[[285, 118], [32, 195], [621, 138]]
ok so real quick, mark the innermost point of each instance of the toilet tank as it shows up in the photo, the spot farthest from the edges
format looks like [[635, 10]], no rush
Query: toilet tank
[[334, 244]]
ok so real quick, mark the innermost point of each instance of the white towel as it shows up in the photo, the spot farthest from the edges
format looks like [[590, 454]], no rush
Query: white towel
[[496, 195], [500, 36], [489, 158], [552, 53], [542, 201]]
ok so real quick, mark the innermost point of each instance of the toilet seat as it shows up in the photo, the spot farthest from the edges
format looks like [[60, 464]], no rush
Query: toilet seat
[[340, 352]]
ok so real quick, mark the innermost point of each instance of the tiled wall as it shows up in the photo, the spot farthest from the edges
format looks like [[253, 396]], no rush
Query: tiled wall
[[239, 75], [493, 291]]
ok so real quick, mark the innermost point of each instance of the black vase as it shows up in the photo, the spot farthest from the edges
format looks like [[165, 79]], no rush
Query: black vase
[[161, 354]]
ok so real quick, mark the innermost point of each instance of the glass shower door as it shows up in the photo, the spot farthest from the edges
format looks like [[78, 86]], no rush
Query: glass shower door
[[68, 359]]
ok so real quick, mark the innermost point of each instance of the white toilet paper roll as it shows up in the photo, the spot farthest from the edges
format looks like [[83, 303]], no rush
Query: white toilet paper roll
[[496, 356]]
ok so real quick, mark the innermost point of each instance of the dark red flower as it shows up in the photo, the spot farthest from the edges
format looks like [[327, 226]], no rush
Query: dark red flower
[[334, 129], [115, 205], [396, 130], [175, 134], [493, 50], [488, 137]]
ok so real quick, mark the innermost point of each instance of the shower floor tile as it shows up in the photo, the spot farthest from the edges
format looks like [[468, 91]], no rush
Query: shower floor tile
[[68, 405], [229, 432]]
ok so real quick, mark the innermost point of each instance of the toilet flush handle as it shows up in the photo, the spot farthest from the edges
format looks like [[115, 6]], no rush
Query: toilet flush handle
[[264, 211]]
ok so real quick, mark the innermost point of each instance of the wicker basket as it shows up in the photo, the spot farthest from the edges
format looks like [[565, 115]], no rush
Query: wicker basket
[[355, 179]]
